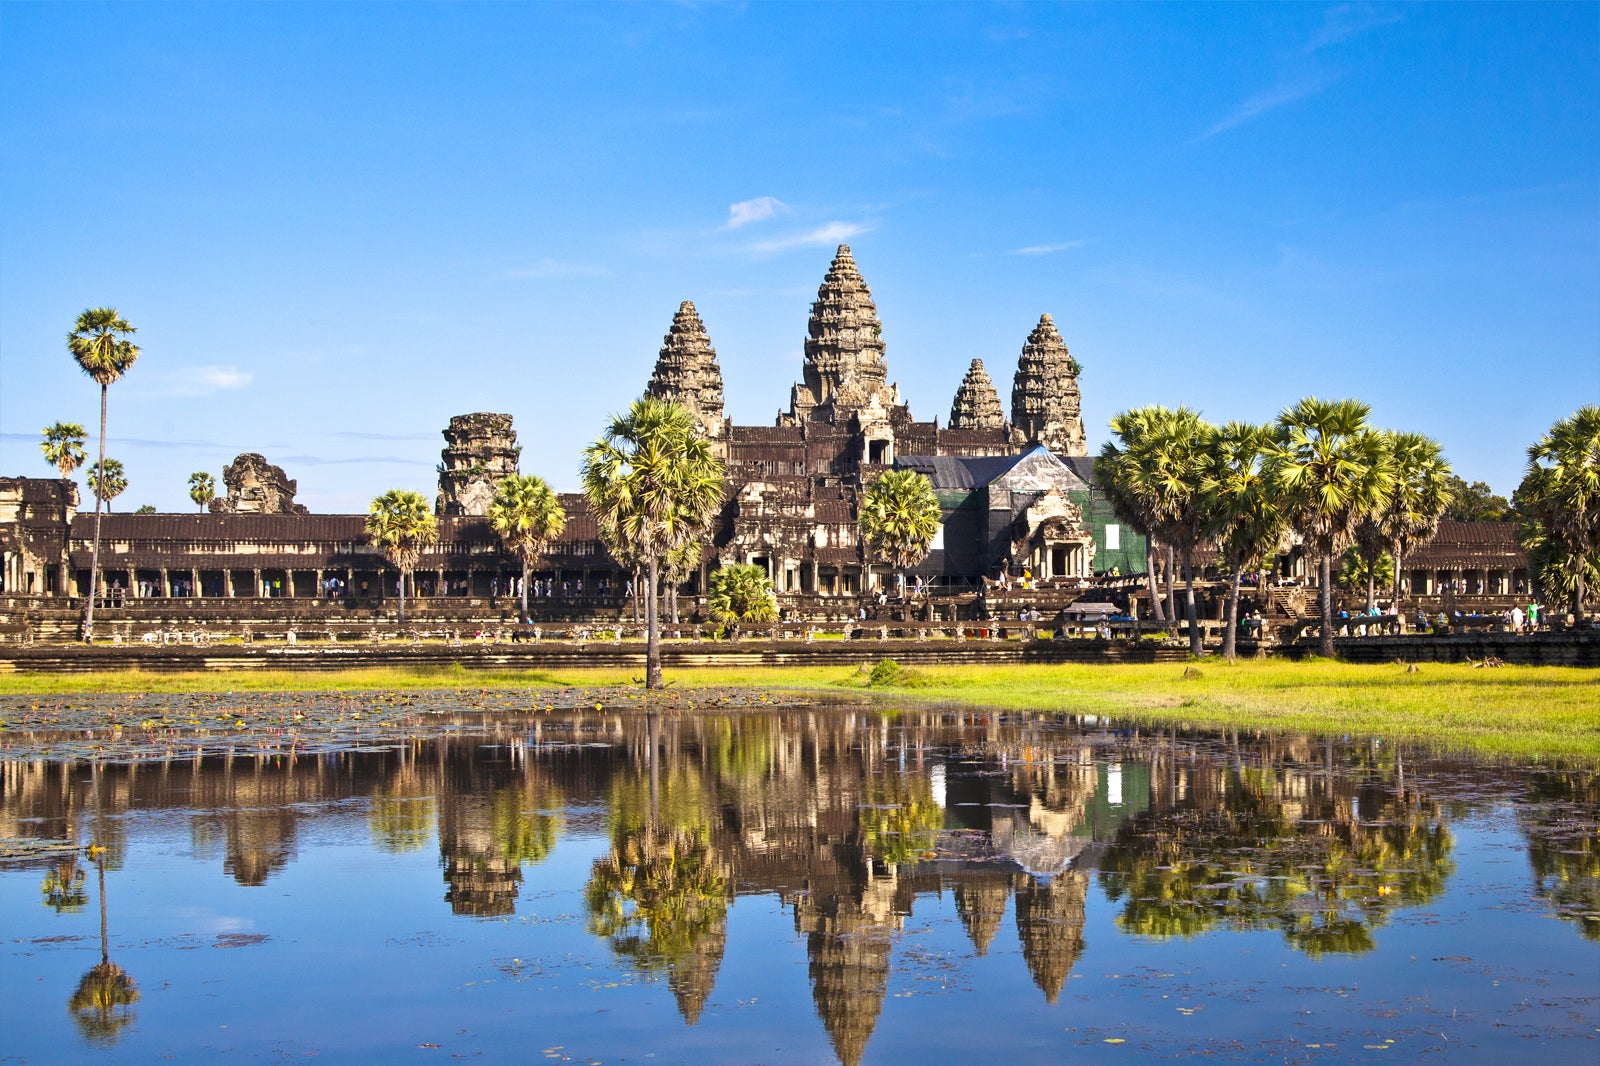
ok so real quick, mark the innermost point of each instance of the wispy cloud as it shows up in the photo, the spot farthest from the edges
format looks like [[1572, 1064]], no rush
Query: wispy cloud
[[194, 381], [354, 435], [356, 460], [1263, 103], [1343, 21], [546, 269], [747, 211], [1047, 249], [827, 233]]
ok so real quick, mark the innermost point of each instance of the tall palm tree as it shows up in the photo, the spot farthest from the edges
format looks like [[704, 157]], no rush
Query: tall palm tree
[[1560, 498], [899, 518], [400, 524], [1332, 469], [107, 480], [202, 489], [1421, 492], [1159, 469], [526, 515], [62, 445], [1242, 510], [654, 485], [99, 342], [1114, 473]]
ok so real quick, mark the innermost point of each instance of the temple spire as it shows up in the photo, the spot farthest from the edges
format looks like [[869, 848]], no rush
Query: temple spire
[[844, 368], [1045, 404], [687, 371], [977, 404]]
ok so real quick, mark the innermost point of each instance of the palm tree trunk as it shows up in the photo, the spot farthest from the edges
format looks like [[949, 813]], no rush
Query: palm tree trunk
[[1325, 574], [524, 588], [1196, 644], [1580, 593], [1154, 584], [1372, 585], [94, 554], [1399, 557], [401, 589], [1171, 578], [652, 625], [1231, 616]]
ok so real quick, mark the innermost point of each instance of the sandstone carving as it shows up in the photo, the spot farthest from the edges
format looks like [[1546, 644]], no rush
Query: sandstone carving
[[480, 449], [687, 371], [255, 486], [977, 404]]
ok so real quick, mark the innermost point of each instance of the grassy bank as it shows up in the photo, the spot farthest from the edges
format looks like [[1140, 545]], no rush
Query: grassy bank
[[1523, 712]]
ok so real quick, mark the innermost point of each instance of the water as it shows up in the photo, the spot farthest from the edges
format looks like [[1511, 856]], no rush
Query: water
[[798, 886]]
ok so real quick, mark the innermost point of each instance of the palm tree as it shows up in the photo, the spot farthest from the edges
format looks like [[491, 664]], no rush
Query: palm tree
[[1114, 473], [1158, 470], [526, 515], [654, 485], [899, 518], [1332, 470], [63, 446], [1560, 499], [99, 342], [740, 593], [107, 480], [1242, 510], [202, 489], [401, 524], [1422, 491]]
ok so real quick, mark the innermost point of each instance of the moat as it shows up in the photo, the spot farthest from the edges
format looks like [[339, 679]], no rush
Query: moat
[[471, 875]]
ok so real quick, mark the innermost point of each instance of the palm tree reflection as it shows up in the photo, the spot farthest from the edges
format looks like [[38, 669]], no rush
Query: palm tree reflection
[[103, 1003]]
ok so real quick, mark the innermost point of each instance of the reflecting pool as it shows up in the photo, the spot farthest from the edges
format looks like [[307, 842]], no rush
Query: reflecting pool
[[803, 885]]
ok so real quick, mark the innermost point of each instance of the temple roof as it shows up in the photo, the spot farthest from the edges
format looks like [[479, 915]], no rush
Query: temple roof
[[953, 472]]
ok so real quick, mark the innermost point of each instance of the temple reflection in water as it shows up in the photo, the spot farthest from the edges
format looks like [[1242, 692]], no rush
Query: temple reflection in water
[[850, 818]]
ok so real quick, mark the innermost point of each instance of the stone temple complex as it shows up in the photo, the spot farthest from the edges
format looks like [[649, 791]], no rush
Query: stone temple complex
[[1017, 494]]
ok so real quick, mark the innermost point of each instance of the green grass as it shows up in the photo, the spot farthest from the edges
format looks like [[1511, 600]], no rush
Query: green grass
[[1512, 711]]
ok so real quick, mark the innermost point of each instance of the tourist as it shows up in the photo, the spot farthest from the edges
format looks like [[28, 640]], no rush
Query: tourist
[[1516, 619]]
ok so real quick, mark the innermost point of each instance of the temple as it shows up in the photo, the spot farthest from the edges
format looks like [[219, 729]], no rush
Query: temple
[[1017, 496]]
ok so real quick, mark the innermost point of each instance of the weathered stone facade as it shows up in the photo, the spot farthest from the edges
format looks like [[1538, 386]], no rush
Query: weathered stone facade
[[255, 486], [480, 449]]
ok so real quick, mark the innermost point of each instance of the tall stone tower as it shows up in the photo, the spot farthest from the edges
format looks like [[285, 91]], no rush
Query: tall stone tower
[[1045, 404], [844, 368], [977, 404], [480, 449], [687, 372]]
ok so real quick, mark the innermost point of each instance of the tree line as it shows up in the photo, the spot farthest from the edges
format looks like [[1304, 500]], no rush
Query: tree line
[[1323, 474]]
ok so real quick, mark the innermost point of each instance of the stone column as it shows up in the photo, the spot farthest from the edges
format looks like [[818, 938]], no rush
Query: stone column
[[255, 580]]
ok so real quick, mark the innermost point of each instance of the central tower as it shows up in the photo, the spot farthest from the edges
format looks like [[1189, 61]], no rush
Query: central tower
[[845, 373]]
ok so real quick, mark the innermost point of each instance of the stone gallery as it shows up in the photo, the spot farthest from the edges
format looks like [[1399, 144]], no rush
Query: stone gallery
[[1017, 494]]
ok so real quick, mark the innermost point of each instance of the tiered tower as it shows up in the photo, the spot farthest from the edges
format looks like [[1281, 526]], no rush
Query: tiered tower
[[687, 371], [844, 369], [1045, 404], [977, 404], [480, 449]]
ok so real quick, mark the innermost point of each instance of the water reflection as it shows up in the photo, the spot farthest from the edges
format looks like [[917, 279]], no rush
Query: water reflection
[[849, 818], [1560, 821]]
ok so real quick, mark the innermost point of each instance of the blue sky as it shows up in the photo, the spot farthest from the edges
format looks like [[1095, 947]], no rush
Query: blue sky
[[337, 226]]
